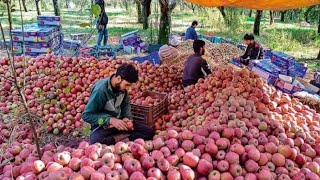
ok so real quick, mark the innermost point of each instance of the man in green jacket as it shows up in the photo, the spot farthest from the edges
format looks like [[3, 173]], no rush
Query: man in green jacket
[[109, 109]]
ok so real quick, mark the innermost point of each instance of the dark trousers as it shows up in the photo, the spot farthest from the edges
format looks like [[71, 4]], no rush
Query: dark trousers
[[102, 35], [105, 136]]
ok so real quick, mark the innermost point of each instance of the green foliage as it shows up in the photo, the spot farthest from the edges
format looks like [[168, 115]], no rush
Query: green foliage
[[67, 90], [95, 10], [54, 101], [86, 129], [301, 35], [281, 40], [84, 24]]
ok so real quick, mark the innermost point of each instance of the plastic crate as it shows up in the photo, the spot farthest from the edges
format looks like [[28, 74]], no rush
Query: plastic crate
[[149, 114]]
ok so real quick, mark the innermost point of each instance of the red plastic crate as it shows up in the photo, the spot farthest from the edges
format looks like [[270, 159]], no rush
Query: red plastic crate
[[149, 114]]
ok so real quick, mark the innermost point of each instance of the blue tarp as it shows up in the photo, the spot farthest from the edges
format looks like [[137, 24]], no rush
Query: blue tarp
[[152, 58]]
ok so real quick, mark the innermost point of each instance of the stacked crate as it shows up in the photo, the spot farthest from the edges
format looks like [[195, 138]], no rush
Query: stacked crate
[[42, 37]]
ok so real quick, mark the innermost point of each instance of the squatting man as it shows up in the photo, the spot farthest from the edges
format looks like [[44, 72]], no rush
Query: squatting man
[[109, 111]]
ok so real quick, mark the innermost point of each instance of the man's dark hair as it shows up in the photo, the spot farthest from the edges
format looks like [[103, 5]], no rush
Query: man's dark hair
[[128, 72], [248, 37], [194, 23], [197, 44]]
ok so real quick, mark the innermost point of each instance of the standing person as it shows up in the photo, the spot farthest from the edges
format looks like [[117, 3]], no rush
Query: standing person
[[253, 52], [102, 24], [195, 67], [191, 31], [109, 111]]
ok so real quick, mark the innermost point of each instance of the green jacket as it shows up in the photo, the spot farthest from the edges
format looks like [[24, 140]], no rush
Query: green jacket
[[105, 104]]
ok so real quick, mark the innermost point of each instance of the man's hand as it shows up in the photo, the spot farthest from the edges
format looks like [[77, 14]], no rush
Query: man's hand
[[129, 123], [100, 27], [119, 124]]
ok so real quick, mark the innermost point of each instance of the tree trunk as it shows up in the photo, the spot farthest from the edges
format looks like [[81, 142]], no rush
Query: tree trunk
[[282, 15], [256, 26], [146, 11], [306, 14], [24, 6], [271, 17], [223, 13], [145, 18], [166, 7], [241, 12], [67, 4], [250, 13], [140, 18], [319, 24], [114, 3], [291, 15], [193, 7], [38, 8], [126, 5], [56, 7], [164, 27], [182, 6]]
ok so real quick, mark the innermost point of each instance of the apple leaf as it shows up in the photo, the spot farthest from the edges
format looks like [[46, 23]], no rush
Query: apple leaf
[[63, 81], [87, 129], [44, 127], [44, 101], [54, 101], [84, 24], [95, 10], [67, 90], [63, 107], [73, 77]]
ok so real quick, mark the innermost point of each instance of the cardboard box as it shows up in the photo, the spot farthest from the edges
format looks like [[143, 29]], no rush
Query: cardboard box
[[30, 35], [49, 20], [269, 78], [253, 63], [40, 47], [287, 79], [17, 47], [129, 49], [306, 86], [298, 70], [268, 66], [267, 54], [285, 87], [282, 60], [46, 34], [33, 54]]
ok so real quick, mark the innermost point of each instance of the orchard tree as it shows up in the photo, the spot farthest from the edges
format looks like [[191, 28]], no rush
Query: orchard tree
[[282, 15], [38, 7], [56, 7], [166, 7], [256, 26], [139, 11], [146, 11]]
